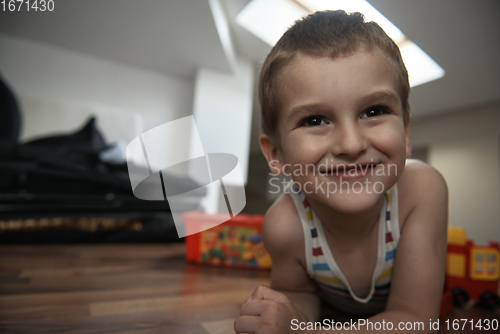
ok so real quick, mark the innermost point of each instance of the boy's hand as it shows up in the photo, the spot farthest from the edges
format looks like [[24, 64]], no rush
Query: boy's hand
[[267, 311]]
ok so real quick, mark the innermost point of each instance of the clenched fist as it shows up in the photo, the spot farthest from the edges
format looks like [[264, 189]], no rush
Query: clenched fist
[[266, 311]]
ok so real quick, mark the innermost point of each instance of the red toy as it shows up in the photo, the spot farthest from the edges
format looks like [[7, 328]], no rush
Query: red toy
[[235, 243], [472, 272]]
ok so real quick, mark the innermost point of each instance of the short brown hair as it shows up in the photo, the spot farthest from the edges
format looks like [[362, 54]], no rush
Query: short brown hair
[[326, 33]]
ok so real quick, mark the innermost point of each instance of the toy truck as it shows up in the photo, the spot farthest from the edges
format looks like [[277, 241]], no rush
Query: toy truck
[[472, 272]]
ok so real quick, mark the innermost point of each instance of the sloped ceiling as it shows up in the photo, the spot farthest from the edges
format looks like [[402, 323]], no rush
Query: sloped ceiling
[[170, 36], [177, 36]]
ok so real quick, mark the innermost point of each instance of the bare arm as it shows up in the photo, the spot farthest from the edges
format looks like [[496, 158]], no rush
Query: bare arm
[[292, 296], [284, 240], [420, 263]]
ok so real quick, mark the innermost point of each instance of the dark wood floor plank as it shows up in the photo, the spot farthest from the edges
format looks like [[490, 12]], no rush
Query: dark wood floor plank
[[21, 300], [130, 288]]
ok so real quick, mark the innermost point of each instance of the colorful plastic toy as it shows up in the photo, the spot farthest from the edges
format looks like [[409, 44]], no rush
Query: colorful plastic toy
[[234, 243], [472, 272]]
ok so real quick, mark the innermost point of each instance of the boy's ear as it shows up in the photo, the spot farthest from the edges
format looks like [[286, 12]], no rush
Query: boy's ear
[[407, 139], [272, 154]]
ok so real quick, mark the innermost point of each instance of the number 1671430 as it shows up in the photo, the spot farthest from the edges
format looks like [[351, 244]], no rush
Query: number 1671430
[[27, 5]]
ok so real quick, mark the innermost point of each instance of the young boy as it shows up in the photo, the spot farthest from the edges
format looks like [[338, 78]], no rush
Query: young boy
[[361, 227]]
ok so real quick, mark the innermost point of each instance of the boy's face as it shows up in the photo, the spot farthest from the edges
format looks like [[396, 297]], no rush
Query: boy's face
[[342, 135]]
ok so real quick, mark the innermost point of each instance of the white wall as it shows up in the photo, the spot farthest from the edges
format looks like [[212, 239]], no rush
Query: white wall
[[42, 116], [41, 70], [223, 114], [465, 147]]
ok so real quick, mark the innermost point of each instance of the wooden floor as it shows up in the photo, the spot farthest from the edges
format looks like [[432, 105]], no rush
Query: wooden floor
[[140, 288]]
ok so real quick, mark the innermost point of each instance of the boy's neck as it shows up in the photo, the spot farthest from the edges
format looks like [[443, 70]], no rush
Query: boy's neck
[[344, 225]]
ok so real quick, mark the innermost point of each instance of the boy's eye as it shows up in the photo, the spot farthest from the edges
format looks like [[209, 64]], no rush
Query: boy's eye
[[374, 111], [313, 121]]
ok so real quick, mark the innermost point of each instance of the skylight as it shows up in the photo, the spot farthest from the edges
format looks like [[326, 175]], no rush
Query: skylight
[[269, 19]]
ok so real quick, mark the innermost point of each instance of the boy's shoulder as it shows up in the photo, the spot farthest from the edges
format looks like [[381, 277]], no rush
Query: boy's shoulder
[[282, 229], [418, 185], [419, 176]]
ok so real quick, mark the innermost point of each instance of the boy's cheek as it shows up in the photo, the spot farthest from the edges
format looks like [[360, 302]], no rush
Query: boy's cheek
[[391, 142]]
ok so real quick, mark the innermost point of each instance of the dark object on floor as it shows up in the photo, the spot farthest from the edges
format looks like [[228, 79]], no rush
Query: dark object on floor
[[10, 118], [57, 189]]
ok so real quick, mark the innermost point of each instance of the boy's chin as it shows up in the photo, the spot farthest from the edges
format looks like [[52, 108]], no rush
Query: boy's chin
[[353, 201]]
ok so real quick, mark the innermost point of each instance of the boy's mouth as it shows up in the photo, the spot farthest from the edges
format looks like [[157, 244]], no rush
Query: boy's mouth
[[350, 170]]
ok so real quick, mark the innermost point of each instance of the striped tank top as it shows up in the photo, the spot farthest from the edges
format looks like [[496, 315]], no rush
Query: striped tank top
[[322, 268]]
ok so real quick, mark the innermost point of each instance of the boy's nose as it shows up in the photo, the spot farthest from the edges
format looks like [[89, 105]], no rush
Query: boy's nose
[[348, 140]]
